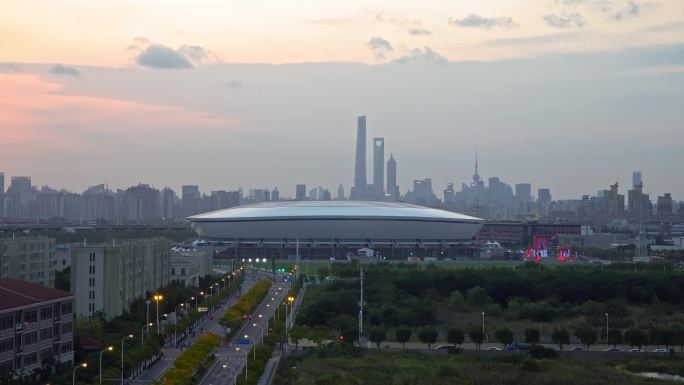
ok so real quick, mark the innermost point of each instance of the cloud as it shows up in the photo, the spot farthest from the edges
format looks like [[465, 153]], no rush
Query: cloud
[[162, 57], [234, 83], [61, 69], [9, 67], [421, 55], [198, 55], [419, 31], [632, 8], [379, 46], [476, 21], [565, 20], [330, 21], [569, 2]]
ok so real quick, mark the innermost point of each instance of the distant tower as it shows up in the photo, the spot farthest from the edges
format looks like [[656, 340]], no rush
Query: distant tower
[[300, 193], [275, 194], [392, 188], [360, 183], [340, 193], [636, 178], [379, 167], [476, 176]]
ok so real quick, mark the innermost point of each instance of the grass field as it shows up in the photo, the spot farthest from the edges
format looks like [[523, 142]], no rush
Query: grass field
[[348, 366]]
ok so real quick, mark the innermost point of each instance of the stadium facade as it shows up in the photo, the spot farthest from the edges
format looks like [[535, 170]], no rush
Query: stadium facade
[[334, 228]]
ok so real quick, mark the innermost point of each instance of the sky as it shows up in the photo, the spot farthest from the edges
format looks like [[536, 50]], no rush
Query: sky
[[571, 95]]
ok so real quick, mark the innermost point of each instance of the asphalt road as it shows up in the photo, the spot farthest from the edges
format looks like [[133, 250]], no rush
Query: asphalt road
[[231, 359]]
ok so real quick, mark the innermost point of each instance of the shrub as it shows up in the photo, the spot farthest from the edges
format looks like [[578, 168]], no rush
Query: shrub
[[539, 352]]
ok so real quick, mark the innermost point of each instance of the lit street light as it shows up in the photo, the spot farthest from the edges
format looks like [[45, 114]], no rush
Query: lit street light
[[73, 374], [157, 298], [122, 356], [142, 333], [109, 349]]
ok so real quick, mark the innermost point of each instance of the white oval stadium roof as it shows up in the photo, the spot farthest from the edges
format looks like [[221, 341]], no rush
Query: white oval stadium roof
[[332, 210]]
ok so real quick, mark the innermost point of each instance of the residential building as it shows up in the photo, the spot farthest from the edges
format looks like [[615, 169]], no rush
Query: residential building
[[36, 323], [107, 278], [30, 259], [300, 193]]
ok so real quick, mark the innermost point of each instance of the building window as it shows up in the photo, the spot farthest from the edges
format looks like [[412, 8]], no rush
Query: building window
[[46, 313], [6, 345], [31, 316], [6, 322], [46, 333], [66, 308], [30, 359], [30, 338], [67, 327], [66, 347]]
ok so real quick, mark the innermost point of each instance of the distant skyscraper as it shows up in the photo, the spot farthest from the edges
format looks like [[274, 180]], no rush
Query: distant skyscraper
[[190, 196], [378, 167], [392, 188], [636, 178], [360, 183], [544, 195], [167, 202], [275, 194], [21, 184], [2, 183], [300, 193], [313, 194], [340, 193], [523, 191]]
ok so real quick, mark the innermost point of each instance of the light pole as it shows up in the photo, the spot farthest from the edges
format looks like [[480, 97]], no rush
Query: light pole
[[147, 320], [483, 329], [109, 349], [122, 356], [142, 334], [175, 325], [606, 328], [73, 374], [290, 299], [157, 298]]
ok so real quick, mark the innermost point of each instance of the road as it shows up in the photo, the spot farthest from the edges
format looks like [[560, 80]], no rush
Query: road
[[231, 359], [156, 371]]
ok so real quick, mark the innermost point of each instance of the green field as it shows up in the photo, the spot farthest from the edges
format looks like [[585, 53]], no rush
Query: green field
[[344, 365]]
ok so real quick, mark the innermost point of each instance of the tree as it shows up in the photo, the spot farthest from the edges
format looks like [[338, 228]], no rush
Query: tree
[[505, 336], [477, 336], [477, 297], [655, 335], [428, 335], [456, 300], [678, 335], [62, 279], [297, 333], [560, 337], [587, 335], [403, 335], [532, 336], [377, 336], [614, 337], [319, 334], [636, 338], [455, 336]]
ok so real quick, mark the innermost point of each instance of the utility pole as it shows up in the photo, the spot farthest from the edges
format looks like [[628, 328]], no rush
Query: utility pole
[[361, 304]]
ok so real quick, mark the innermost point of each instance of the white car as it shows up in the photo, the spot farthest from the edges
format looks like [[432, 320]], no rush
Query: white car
[[660, 350], [494, 348], [444, 347]]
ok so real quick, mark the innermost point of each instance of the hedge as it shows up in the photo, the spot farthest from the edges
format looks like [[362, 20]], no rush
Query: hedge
[[248, 302], [187, 364]]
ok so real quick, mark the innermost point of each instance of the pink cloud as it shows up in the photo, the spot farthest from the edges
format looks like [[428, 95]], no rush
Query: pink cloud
[[34, 112]]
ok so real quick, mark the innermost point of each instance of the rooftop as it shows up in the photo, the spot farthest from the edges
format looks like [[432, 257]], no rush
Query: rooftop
[[15, 293]]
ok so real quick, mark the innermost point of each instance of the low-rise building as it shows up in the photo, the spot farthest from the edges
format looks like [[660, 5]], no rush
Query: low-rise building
[[108, 277], [189, 266], [36, 323], [30, 259]]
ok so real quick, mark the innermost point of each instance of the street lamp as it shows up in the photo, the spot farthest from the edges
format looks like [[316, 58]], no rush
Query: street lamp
[[157, 298], [147, 320], [73, 374], [175, 325], [122, 356], [483, 329], [606, 328], [290, 299], [109, 349], [142, 333]]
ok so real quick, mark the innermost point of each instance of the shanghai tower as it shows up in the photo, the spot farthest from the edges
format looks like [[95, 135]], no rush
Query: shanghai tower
[[358, 191]]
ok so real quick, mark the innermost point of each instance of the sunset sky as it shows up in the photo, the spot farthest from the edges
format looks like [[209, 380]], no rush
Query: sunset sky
[[567, 94]]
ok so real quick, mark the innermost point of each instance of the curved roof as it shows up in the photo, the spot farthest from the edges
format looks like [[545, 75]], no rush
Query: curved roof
[[332, 210]]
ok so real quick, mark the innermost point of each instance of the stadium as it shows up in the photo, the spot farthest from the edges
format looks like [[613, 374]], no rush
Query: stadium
[[323, 229]]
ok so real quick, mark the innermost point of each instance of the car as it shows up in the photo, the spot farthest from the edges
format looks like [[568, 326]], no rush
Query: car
[[445, 347], [635, 350], [494, 349], [612, 350], [577, 349], [660, 350]]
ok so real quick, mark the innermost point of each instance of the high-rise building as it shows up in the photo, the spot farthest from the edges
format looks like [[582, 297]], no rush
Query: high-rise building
[[664, 205], [190, 196], [313, 194], [109, 277], [636, 178], [300, 192], [340, 193], [141, 204], [30, 259], [2, 183], [392, 187], [2, 194], [523, 191], [543, 200], [378, 168], [21, 184], [36, 325], [167, 203], [275, 194], [360, 183]]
